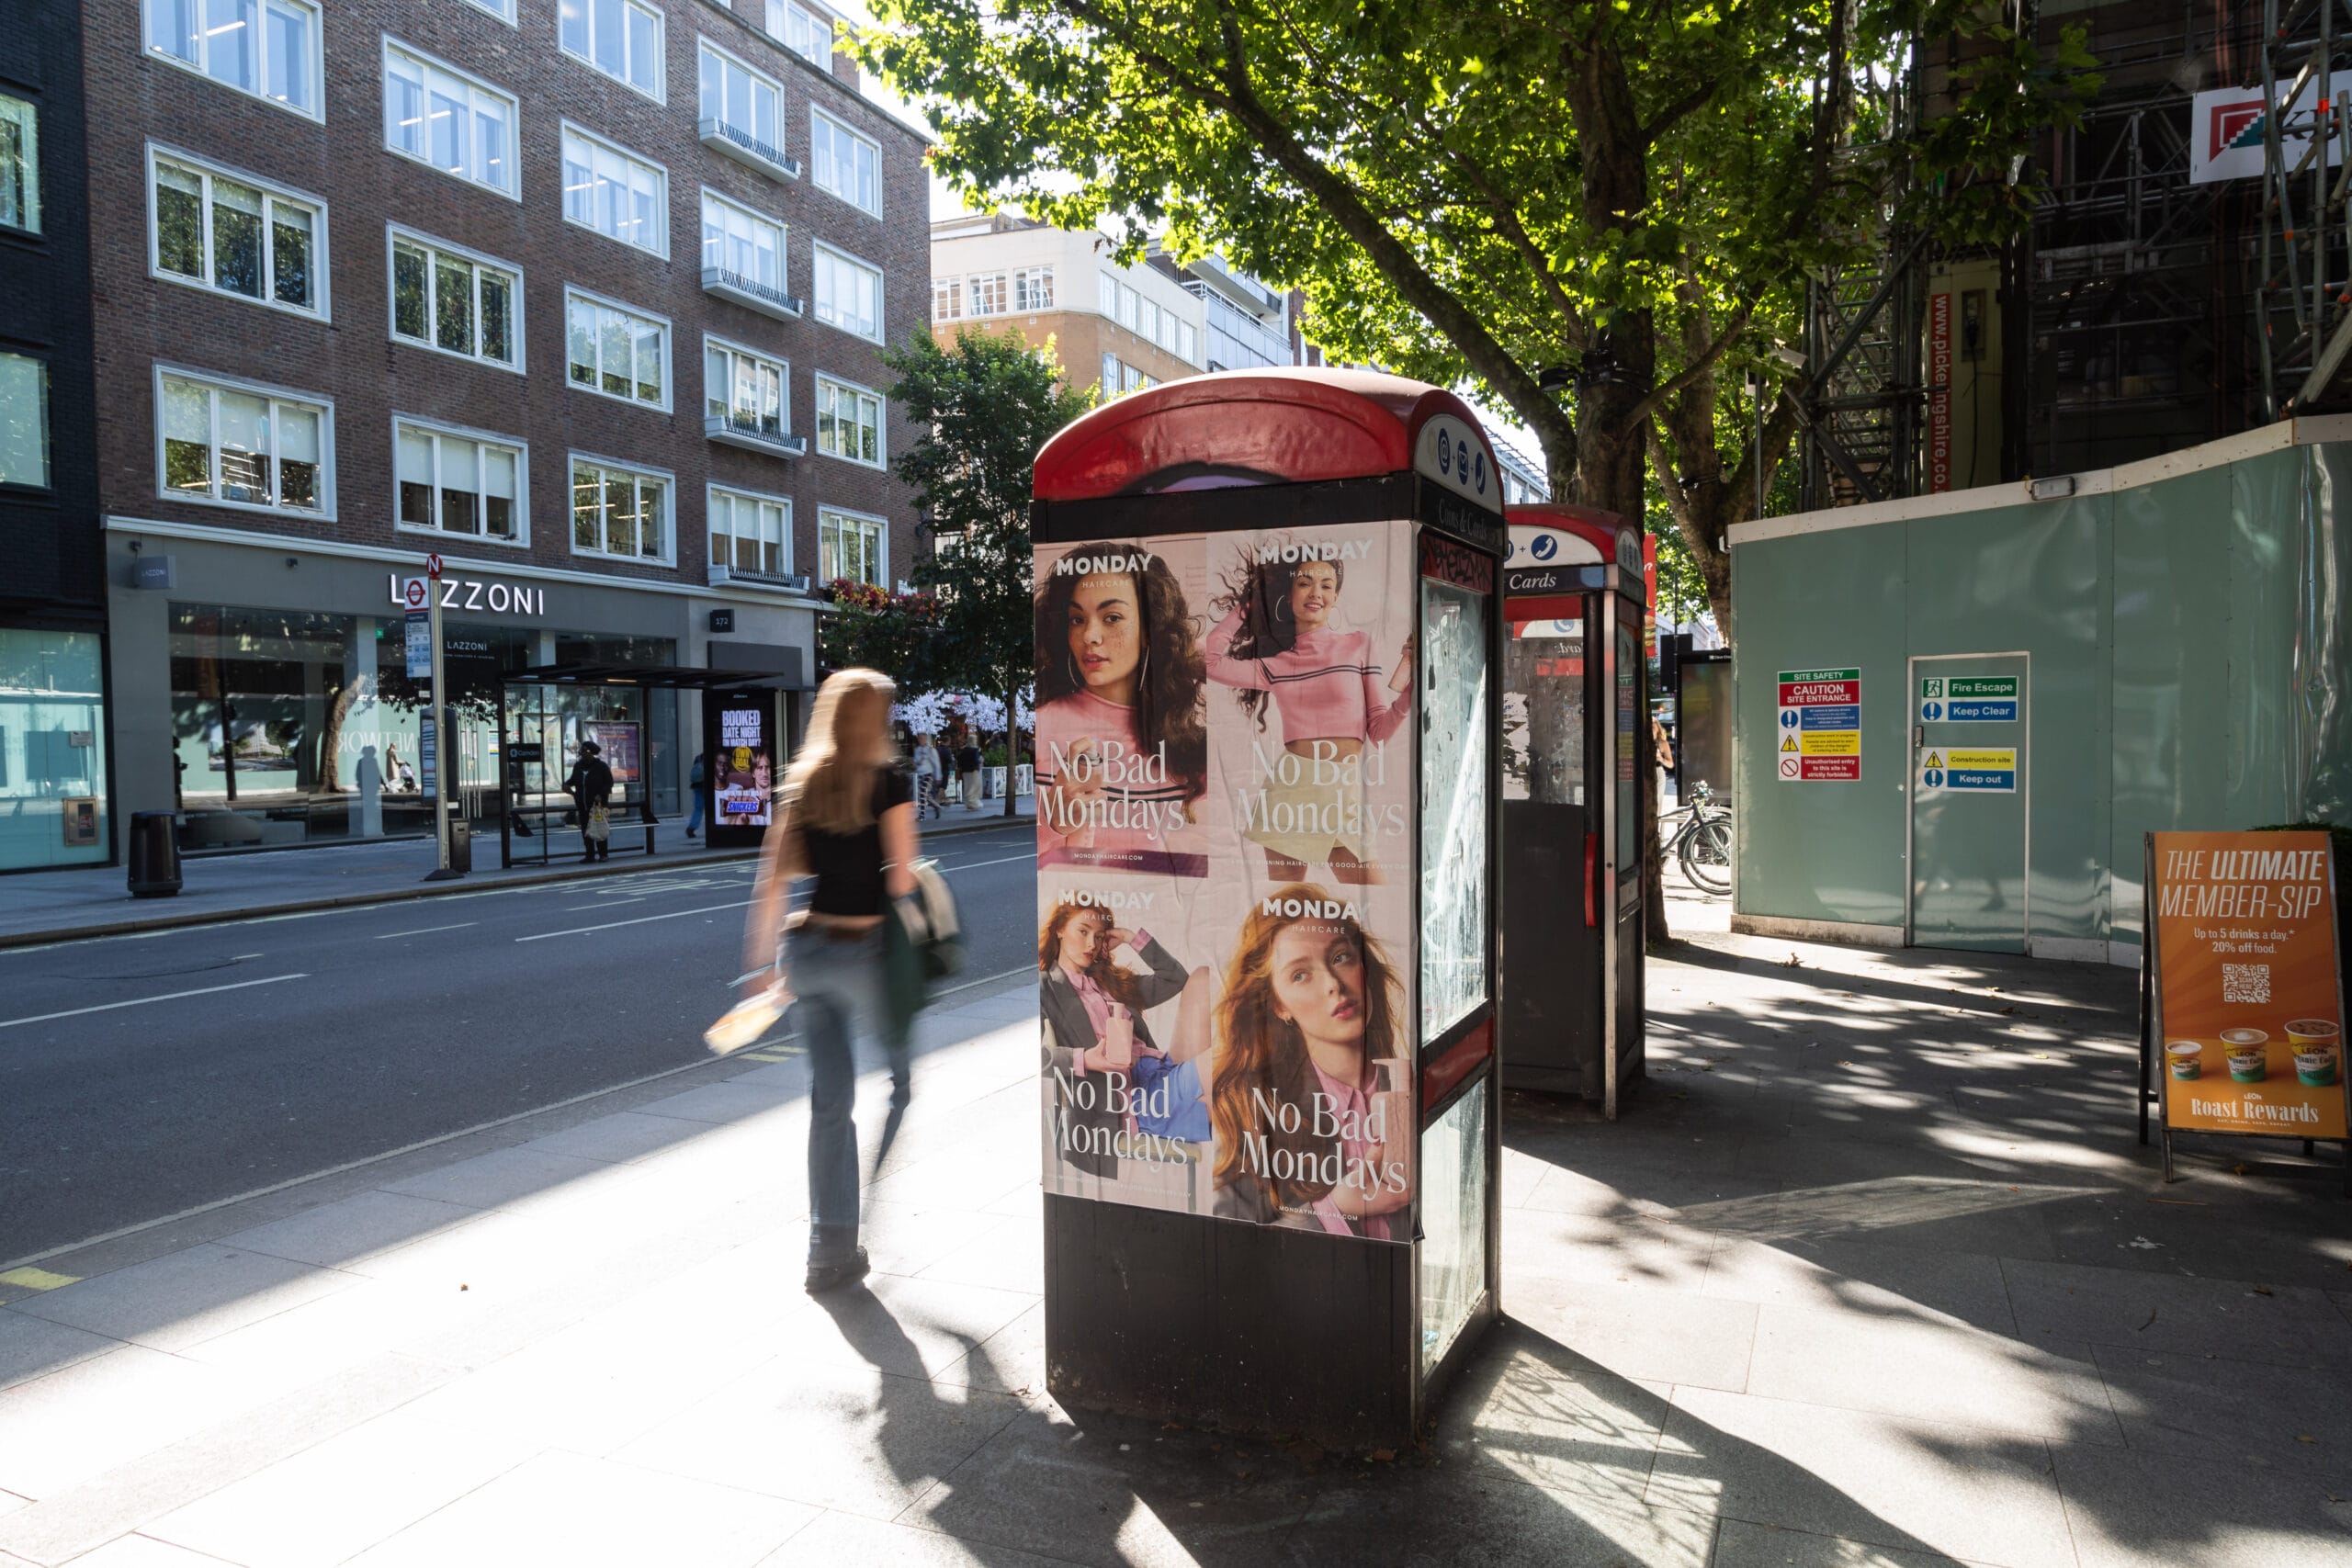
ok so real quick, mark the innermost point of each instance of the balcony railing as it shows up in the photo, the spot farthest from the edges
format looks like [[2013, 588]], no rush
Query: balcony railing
[[751, 435], [750, 293], [743, 577], [747, 150]]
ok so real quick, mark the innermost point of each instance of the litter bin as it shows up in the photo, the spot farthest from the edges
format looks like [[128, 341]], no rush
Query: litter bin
[[154, 854], [461, 845]]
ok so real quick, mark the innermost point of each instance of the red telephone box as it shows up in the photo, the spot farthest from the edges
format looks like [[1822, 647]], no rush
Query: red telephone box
[[1575, 737], [1268, 651]]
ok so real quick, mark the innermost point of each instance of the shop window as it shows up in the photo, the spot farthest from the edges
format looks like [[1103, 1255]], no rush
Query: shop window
[[844, 162], [19, 165], [459, 124], [746, 389], [620, 37], [616, 352], [612, 190], [848, 293], [52, 749], [620, 512], [850, 546], [240, 446], [24, 421], [262, 703], [237, 235], [450, 482], [447, 299], [269, 49], [751, 533], [849, 423]]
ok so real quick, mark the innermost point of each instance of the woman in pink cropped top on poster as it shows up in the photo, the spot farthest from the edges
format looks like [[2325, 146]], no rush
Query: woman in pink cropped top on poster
[[1276, 645], [1122, 747]]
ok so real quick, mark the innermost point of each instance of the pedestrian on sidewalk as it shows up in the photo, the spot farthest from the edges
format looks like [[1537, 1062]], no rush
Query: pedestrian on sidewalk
[[590, 785], [926, 777], [967, 765], [695, 782], [846, 818]]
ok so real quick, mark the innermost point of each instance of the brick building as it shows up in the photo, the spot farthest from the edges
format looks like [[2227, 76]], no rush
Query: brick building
[[587, 296], [53, 594]]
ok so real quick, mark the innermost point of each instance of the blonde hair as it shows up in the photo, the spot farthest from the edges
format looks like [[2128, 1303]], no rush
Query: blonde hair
[[830, 785]]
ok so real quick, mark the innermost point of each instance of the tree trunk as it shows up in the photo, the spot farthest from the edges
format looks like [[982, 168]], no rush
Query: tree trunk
[[1011, 749]]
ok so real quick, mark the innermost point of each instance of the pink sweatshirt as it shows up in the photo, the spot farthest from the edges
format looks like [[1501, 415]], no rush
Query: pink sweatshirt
[[1140, 806], [1325, 687]]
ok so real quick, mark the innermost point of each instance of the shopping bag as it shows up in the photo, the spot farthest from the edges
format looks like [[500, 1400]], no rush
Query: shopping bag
[[600, 824]]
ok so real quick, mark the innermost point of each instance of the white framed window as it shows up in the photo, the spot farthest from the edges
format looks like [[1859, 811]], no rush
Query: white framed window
[[449, 481], [269, 49], [1106, 295], [987, 292], [1130, 309], [741, 241], [1110, 376], [619, 509], [19, 165], [749, 532], [1134, 380], [237, 443], [848, 293], [620, 37], [612, 190], [844, 162], [852, 545], [502, 9], [807, 33], [746, 389], [849, 423], [746, 104], [1033, 289], [459, 124], [451, 300], [616, 352], [1148, 320], [947, 299], [1188, 344], [24, 421], [217, 229]]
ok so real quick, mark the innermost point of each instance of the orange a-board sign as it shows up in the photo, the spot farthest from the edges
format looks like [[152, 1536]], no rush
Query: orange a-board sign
[[2249, 1012]]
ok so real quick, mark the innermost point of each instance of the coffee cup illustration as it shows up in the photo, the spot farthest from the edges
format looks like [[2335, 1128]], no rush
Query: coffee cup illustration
[[2315, 1042], [2245, 1048], [2185, 1058]]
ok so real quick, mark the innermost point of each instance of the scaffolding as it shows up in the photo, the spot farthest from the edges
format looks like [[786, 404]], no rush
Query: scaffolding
[[2304, 289]]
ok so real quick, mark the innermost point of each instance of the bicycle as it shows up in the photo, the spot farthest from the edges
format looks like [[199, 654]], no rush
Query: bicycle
[[1702, 840]]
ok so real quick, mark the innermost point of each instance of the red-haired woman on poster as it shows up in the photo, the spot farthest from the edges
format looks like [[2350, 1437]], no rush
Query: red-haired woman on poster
[[1276, 644], [1121, 751], [1313, 1116]]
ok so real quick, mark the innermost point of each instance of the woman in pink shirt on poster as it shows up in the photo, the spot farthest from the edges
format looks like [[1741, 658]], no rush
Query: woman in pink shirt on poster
[[1276, 644], [1308, 1022], [1122, 747]]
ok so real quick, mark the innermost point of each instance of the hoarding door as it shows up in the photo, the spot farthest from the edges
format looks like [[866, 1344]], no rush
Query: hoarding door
[[1970, 785]]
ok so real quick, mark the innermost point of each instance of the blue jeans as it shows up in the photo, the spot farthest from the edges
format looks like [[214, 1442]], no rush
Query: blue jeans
[[837, 985], [694, 817]]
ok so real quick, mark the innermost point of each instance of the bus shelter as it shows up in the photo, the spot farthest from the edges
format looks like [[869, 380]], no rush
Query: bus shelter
[[547, 713]]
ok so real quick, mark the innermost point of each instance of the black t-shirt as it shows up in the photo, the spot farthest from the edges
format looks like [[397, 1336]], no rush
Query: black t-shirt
[[848, 866], [967, 760]]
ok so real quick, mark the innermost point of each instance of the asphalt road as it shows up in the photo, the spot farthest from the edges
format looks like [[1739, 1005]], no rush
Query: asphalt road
[[143, 1075]]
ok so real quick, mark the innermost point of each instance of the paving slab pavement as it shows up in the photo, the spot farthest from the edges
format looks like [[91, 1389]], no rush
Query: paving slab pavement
[[1871, 1271]]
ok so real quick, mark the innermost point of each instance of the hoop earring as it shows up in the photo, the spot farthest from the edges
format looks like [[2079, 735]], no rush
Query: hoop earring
[[1283, 611], [1077, 681], [1143, 666]]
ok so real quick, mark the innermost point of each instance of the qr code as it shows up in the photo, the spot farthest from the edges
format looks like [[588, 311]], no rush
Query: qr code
[[2245, 982]]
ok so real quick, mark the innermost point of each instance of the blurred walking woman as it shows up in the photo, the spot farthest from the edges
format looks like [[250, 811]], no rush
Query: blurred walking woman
[[847, 819], [1308, 1024]]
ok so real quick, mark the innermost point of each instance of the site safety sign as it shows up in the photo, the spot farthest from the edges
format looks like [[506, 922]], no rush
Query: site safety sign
[[1820, 735], [1993, 769], [1968, 699]]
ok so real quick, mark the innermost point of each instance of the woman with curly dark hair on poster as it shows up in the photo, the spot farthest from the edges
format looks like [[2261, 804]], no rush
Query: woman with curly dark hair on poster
[[1122, 745], [1310, 1099], [1276, 645]]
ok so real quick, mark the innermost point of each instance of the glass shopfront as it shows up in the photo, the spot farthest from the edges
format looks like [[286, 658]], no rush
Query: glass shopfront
[[294, 726], [52, 749]]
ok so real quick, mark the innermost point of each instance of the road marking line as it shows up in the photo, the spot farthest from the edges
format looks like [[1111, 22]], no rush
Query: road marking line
[[641, 919], [423, 931], [38, 1278], [975, 865], [142, 1001], [241, 957], [602, 904]]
